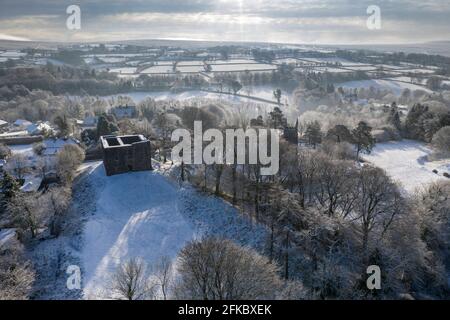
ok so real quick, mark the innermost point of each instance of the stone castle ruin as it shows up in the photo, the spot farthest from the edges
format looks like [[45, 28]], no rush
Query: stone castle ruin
[[126, 153]]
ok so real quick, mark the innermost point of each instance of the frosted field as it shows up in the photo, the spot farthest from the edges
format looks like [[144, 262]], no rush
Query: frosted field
[[287, 61], [260, 92], [143, 215], [158, 69], [361, 68], [190, 69], [190, 63], [388, 66], [331, 70], [234, 61], [242, 67], [13, 55], [126, 70], [427, 71], [344, 62], [395, 87], [115, 55], [409, 79], [182, 96], [113, 59], [405, 161]]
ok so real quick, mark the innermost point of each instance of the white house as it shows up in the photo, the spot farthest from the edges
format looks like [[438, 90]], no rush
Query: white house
[[39, 128], [90, 122], [53, 146], [21, 123], [3, 125]]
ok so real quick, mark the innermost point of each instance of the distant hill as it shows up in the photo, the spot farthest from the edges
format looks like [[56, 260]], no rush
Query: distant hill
[[434, 48]]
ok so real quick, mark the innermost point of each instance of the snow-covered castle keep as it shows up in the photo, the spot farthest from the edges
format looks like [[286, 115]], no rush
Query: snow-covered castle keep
[[126, 153]]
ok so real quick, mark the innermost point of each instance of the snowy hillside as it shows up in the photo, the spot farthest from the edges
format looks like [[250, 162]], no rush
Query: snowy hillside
[[406, 162], [142, 214]]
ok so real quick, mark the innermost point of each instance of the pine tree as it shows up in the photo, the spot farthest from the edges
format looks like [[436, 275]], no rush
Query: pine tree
[[277, 119], [105, 127], [339, 133], [362, 138], [414, 121], [64, 125], [277, 94], [10, 187], [313, 133], [394, 116]]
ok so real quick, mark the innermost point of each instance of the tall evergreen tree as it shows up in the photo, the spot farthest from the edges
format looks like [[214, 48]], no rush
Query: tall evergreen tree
[[105, 127], [339, 133], [277, 94], [394, 116], [10, 188], [362, 138], [277, 119], [313, 133]]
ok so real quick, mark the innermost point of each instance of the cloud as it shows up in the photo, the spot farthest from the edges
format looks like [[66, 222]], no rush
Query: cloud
[[292, 21], [13, 38]]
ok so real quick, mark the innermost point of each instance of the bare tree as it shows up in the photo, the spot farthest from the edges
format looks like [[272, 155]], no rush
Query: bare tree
[[130, 281], [218, 269], [57, 201], [377, 205], [29, 212], [16, 276], [334, 182], [163, 274], [18, 165], [69, 158]]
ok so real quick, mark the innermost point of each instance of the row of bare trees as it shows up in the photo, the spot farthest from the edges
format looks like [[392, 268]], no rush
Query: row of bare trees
[[206, 269], [326, 215]]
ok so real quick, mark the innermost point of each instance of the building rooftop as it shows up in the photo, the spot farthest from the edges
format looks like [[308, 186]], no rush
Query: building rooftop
[[120, 141]]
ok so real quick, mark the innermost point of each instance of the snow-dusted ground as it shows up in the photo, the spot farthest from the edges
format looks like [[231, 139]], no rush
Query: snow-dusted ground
[[142, 214], [406, 162]]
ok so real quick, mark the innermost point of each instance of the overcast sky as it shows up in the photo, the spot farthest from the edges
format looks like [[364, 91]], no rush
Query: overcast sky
[[287, 21]]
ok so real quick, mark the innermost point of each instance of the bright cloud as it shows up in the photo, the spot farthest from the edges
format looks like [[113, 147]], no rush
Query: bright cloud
[[290, 21]]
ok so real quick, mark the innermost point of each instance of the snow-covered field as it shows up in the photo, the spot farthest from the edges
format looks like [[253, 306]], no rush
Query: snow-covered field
[[242, 67], [158, 69], [396, 87], [328, 69], [124, 70], [264, 92], [406, 162], [142, 214], [342, 61]]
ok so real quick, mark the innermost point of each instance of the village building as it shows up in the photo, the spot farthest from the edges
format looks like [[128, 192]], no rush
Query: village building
[[124, 112], [3, 125], [52, 146], [89, 122], [126, 153], [39, 128], [22, 124]]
